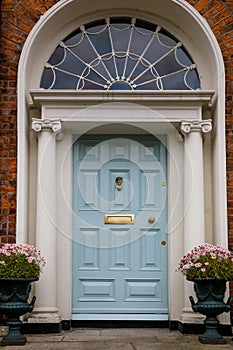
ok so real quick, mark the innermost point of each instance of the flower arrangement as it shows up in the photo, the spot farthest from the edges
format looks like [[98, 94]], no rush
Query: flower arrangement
[[207, 261], [20, 261]]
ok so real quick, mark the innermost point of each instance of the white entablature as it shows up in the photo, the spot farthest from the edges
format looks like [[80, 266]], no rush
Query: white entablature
[[121, 106]]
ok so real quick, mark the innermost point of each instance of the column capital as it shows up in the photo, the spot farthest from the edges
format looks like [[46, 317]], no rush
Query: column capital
[[203, 126], [39, 125]]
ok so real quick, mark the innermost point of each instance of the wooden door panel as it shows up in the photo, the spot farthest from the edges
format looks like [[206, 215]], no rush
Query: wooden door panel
[[119, 268]]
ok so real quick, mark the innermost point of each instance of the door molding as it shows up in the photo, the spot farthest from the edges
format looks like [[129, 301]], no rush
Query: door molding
[[153, 116]]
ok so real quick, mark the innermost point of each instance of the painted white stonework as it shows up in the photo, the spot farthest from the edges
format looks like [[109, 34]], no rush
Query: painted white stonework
[[46, 125], [46, 228], [203, 126], [194, 217], [196, 203], [151, 115]]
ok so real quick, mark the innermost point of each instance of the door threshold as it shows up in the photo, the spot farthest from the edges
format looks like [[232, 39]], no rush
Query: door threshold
[[120, 317]]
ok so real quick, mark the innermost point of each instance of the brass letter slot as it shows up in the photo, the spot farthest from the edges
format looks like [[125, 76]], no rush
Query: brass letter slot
[[120, 219]]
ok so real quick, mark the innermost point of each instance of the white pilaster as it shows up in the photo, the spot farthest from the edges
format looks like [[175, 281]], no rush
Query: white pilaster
[[46, 303], [194, 221]]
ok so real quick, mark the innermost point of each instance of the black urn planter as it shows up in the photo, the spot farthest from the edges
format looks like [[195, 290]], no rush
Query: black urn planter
[[14, 293], [210, 293]]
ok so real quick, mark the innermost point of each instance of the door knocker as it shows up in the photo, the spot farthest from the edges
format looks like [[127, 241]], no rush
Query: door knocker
[[119, 183]]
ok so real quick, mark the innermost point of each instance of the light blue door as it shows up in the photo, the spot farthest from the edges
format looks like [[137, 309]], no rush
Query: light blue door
[[119, 227]]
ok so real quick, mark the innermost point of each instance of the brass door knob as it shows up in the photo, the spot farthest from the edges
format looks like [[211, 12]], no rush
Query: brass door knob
[[163, 242], [151, 219]]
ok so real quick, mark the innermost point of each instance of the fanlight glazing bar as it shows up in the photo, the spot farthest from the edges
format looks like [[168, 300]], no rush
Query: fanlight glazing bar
[[120, 54]]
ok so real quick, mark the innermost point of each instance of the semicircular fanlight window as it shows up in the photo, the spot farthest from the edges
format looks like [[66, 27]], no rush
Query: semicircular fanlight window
[[120, 54]]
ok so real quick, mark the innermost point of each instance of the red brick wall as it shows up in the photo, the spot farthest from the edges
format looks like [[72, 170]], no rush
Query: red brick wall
[[220, 18], [17, 20]]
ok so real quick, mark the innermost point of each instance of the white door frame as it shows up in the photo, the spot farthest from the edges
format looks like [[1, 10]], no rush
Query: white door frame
[[63, 114]]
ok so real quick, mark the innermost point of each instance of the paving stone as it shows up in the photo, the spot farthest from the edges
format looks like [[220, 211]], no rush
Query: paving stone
[[47, 338], [129, 333], [117, 339], [74, 345], [149, 346], [104, 346], [79, 335]]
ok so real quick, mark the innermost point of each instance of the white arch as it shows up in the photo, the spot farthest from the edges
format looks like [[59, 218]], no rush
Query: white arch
[[181, 19]]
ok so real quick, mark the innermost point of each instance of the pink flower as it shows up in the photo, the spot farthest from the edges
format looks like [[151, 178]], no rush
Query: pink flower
[[203, 252], [203, 259], [198, 264], [186, 266], [30, 259]]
